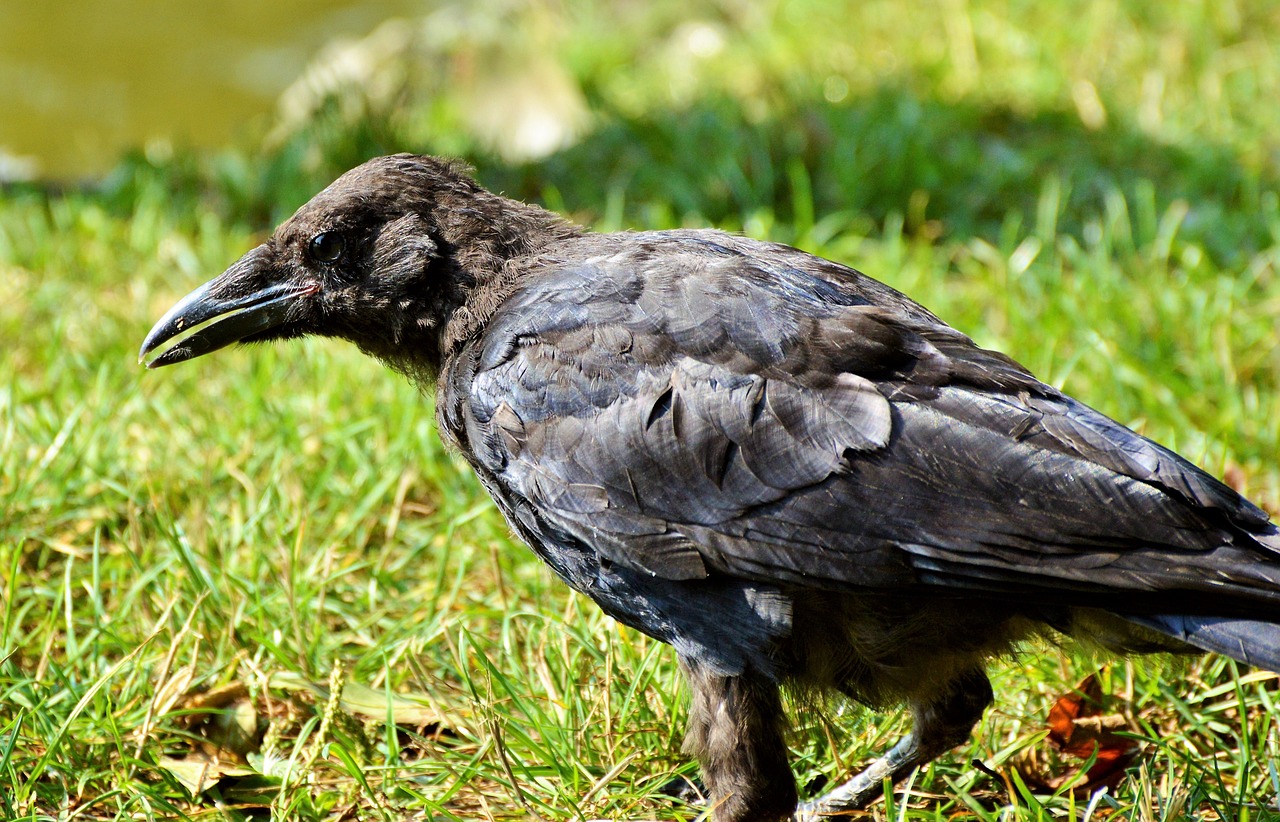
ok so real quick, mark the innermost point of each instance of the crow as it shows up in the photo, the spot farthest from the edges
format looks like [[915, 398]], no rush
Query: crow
[[788, 471]]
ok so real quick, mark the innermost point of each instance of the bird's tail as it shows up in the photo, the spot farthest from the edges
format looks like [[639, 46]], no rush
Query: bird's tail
[[1251, 641]]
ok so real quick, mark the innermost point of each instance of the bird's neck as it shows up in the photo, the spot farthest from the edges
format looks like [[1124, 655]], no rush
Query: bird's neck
[[491, 241]]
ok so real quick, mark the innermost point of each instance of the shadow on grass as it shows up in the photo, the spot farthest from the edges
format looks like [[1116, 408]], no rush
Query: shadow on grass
[[954, 169], [968, 168]]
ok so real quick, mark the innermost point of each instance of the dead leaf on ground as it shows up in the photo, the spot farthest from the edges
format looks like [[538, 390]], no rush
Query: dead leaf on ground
[[1079, 728], [410, 710], [226, 727], [198, 771], [226, 721]]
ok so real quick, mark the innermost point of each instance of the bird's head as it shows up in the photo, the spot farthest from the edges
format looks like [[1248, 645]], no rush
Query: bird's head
[[382, 257]]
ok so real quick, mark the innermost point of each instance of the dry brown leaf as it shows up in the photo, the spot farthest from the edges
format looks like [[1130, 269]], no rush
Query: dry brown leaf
[[1079, 729], [225, 719], [198, 772], [410, 710]]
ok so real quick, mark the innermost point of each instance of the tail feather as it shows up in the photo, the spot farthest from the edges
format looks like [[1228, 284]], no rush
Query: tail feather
[[1250, 641]]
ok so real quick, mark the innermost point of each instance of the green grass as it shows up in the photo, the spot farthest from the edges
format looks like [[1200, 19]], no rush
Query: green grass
[[245, 523]]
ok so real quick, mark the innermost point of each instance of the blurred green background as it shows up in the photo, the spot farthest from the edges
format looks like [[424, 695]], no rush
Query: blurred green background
[[190, 558], [85, 81]]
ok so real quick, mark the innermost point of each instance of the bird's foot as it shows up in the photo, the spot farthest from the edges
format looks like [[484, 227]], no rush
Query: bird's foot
[[853, 795]]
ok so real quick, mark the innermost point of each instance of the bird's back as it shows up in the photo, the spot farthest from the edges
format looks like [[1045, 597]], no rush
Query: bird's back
[[693, 406]]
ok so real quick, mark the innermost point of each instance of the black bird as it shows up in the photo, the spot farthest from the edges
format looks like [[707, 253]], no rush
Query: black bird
[[791, 473]]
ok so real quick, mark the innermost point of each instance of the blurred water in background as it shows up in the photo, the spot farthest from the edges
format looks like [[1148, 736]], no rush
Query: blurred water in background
[[81, 81]]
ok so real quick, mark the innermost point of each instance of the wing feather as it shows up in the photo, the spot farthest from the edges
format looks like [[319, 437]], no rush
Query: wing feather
[[715, 411]]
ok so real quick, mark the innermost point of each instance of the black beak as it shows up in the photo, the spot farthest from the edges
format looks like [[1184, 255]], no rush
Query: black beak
[[201, 323]]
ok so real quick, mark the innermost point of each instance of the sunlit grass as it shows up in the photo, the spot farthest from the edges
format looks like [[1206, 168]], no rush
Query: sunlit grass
[[279, 511]]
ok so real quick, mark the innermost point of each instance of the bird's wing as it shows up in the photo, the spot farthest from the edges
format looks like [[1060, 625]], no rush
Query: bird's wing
[[700, 406]]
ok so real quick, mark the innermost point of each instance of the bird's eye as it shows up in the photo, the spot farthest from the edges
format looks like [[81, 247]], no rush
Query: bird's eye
[[326, 247]]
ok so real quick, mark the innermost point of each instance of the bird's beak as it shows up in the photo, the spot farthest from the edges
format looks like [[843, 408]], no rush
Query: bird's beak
[[202, 321]]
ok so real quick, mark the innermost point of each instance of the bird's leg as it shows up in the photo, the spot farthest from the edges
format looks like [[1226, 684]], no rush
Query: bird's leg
[[735, 730], [938, 726]]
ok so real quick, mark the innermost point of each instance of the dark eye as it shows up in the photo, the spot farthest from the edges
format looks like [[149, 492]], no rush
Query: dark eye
[[326, 247]]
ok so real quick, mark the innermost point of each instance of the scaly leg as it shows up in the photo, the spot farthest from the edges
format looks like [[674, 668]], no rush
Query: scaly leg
[[938, 726]]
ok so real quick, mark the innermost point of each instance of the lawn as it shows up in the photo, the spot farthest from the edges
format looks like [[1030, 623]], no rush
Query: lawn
[[257, 584]]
